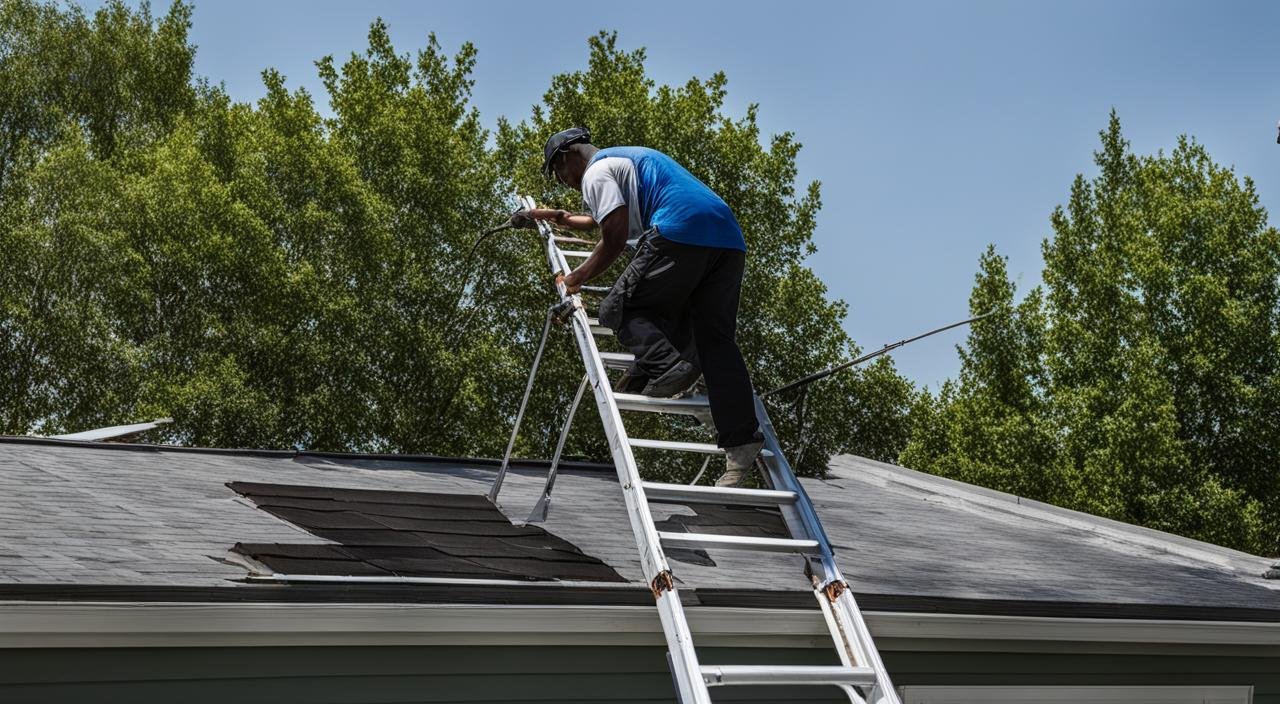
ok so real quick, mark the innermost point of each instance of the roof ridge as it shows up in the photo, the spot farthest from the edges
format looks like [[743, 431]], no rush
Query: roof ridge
[[251, 452], [1244, 563]]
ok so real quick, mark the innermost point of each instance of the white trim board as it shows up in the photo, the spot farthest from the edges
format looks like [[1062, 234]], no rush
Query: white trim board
[[1078, 695], [79, 624]]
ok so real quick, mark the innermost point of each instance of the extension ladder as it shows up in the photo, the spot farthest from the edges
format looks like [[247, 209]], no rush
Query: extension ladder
[[861, 674]]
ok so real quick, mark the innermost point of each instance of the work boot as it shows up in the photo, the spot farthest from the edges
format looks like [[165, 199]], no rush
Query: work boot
[[674, 381], [738, 460]]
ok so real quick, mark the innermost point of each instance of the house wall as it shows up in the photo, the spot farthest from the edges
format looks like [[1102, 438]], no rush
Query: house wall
[[1023, 668], [520, 674]]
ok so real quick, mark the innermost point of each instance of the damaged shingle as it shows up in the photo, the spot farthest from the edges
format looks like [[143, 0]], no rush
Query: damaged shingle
[[720, 519], [411, 534]]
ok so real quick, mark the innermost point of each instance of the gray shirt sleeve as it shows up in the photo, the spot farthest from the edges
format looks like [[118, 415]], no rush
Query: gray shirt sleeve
[[608, 184], [601, 192]]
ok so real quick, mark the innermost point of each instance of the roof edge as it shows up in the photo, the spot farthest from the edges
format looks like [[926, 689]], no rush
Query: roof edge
[[1242, 562], [251, 452], [546, 594]]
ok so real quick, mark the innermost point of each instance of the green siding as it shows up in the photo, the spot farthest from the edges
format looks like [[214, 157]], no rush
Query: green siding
[[515, 675], [970, 668], [636, 675]]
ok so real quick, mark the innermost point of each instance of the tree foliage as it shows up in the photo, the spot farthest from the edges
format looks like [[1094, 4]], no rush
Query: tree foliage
[[1143, 385], [991, 427], [271, 275]]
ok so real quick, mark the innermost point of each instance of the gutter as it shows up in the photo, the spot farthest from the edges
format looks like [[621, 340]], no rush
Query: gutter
[[35, 624]]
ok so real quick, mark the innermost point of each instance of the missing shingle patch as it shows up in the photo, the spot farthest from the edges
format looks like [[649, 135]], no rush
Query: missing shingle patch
[[411, 534]]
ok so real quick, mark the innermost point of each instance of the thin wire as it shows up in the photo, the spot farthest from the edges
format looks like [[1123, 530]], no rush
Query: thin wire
[[845, 365], [801, 409]]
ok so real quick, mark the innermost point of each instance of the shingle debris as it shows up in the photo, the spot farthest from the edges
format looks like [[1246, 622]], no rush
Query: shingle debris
[[411, 534]]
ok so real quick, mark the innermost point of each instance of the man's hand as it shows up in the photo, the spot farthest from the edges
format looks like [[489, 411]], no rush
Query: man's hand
[[520, 219], [571, 285]]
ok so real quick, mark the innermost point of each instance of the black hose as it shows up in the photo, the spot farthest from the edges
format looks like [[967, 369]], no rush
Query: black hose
[[845, 365], [466, 262]]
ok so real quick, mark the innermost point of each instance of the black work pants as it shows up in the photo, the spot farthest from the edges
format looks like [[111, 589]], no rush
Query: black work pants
[[680, 301]]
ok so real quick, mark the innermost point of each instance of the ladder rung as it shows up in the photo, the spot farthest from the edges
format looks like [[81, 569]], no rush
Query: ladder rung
[[704, 448], [736, 542], [617, 360], [717, 675], [683, 493], [597, 328], [576, 253], [692, 406], [560, 239]]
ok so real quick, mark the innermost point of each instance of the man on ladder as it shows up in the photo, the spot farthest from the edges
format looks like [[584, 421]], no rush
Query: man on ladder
[[676, 304]]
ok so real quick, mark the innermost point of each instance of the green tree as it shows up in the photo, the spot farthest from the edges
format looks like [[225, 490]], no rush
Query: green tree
[[118, 77], [446, 374], [1162, 343], [347, 338], [993, 427], [78, 97], [271, 277], [1141, 387]]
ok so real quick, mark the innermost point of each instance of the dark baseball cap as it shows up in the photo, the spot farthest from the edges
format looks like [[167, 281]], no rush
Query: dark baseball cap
[[561, 141]]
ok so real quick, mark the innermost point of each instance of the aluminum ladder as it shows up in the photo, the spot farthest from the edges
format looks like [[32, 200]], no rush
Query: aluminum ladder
[[861, 674]]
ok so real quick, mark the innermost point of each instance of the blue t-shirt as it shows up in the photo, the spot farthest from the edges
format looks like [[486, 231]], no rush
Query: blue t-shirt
[[659, 193]]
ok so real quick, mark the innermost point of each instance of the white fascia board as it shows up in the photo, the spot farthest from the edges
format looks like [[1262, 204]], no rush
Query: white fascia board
[[1069, 694], [66, 624], [86, 624]]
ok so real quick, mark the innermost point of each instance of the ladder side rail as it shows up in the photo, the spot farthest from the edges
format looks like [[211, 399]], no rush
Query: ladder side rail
[[496, 488], [652, 558], [781, 477], [844, 629], [543, 505], [691, 688], [845, 606], [849, 616]]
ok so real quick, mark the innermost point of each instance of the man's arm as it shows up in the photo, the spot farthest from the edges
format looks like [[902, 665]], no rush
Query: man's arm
[[563, 218], [613, 239]]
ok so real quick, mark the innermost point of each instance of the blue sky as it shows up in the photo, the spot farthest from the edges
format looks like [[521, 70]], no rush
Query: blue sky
[[935, 127]]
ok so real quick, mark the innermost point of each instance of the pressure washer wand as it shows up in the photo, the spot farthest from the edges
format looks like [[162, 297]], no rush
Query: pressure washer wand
[[845, 365]]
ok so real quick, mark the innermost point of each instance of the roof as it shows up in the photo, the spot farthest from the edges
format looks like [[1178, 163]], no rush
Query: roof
[[380, 533], [95, 521]]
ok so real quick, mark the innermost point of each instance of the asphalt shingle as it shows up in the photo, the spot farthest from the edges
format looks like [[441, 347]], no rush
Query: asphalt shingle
[[109, 515]]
